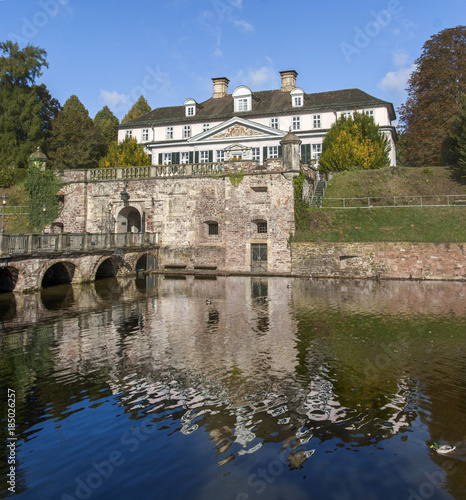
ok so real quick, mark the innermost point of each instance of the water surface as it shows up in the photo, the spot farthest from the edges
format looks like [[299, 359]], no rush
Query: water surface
[[236, 388]]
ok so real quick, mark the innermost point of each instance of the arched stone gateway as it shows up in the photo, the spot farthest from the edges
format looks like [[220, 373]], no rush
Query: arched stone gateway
[[128, 221], [60, 273]]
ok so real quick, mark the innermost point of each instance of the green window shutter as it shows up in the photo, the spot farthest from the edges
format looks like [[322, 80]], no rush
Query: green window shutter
[[196, 156], [211, 155], [160, 158], [176, 158], [264, 152], [191, 157], [280, 151]]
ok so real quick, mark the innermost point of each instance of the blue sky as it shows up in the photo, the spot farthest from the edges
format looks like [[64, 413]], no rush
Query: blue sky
[[110, 52]]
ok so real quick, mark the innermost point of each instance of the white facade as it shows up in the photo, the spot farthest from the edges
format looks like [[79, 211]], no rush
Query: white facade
[[250, 125]]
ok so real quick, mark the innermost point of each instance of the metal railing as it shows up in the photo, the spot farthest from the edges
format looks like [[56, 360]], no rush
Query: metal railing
[[154, 171], [16, 210], [447, 200], [15, 244]]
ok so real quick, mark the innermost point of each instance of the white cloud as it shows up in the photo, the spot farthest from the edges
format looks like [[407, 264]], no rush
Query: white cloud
[[114, 99], [400, 58], [396, 81], [259, 78]]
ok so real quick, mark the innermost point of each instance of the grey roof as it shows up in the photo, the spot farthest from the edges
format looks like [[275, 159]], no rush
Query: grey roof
[[264, 103]]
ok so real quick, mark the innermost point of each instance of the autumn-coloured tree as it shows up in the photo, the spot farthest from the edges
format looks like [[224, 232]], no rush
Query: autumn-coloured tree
[[354, 142], [434, 90], [139, 108], [128, 153], [454, 147]]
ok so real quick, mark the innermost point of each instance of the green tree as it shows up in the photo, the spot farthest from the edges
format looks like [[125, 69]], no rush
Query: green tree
[[454, 146], [26, 109], [107, 123], [127, 153], [139, 108], [75, 141], [43, 187], [354, 142], [434, 90]]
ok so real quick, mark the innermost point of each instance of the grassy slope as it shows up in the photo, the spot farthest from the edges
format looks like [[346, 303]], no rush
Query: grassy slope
[[16, 196], [429, 224]]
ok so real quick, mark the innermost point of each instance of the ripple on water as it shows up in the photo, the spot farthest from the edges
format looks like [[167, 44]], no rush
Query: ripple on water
[[347, 389]]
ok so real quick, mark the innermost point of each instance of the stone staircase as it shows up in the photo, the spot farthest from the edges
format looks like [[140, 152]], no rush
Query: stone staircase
[[319, 192]]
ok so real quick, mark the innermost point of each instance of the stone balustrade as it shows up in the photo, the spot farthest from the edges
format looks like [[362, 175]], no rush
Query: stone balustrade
[[154, 171], [17, 244]]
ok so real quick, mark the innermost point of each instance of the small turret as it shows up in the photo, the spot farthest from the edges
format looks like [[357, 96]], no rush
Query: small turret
[[38, 159]]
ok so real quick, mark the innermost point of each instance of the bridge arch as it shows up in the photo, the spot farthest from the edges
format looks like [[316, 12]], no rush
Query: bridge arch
[[59, 273], [129, 220], [109, 267], [145, 261], [8, 279]]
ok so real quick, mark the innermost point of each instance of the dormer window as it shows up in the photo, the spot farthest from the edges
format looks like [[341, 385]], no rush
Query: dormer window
[[297, 97], [242, 98], [242, 105], [190, 107]]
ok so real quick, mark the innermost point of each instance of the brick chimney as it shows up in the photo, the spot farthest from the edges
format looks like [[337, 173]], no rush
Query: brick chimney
[[220, 87], [288, 80]]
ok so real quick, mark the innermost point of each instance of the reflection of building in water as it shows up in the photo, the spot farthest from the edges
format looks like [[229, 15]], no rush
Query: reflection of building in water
[[215, 354], [387, 297]]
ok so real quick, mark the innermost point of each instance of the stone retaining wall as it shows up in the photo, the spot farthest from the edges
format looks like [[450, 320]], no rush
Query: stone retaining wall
[[384, 260]]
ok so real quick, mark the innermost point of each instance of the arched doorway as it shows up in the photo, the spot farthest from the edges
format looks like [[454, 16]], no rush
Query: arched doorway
[[128, 221]]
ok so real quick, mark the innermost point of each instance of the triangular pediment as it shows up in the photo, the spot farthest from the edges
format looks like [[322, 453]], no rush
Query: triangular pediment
[[237, 128], [236, 147]]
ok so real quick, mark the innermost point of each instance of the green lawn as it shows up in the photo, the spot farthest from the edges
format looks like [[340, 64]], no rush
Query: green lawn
[[428, 224]]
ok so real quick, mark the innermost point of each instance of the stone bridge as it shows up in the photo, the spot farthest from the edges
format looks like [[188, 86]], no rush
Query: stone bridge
[[33, 261]]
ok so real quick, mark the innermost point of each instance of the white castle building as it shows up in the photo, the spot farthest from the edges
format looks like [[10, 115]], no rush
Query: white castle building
[[250, 125]]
